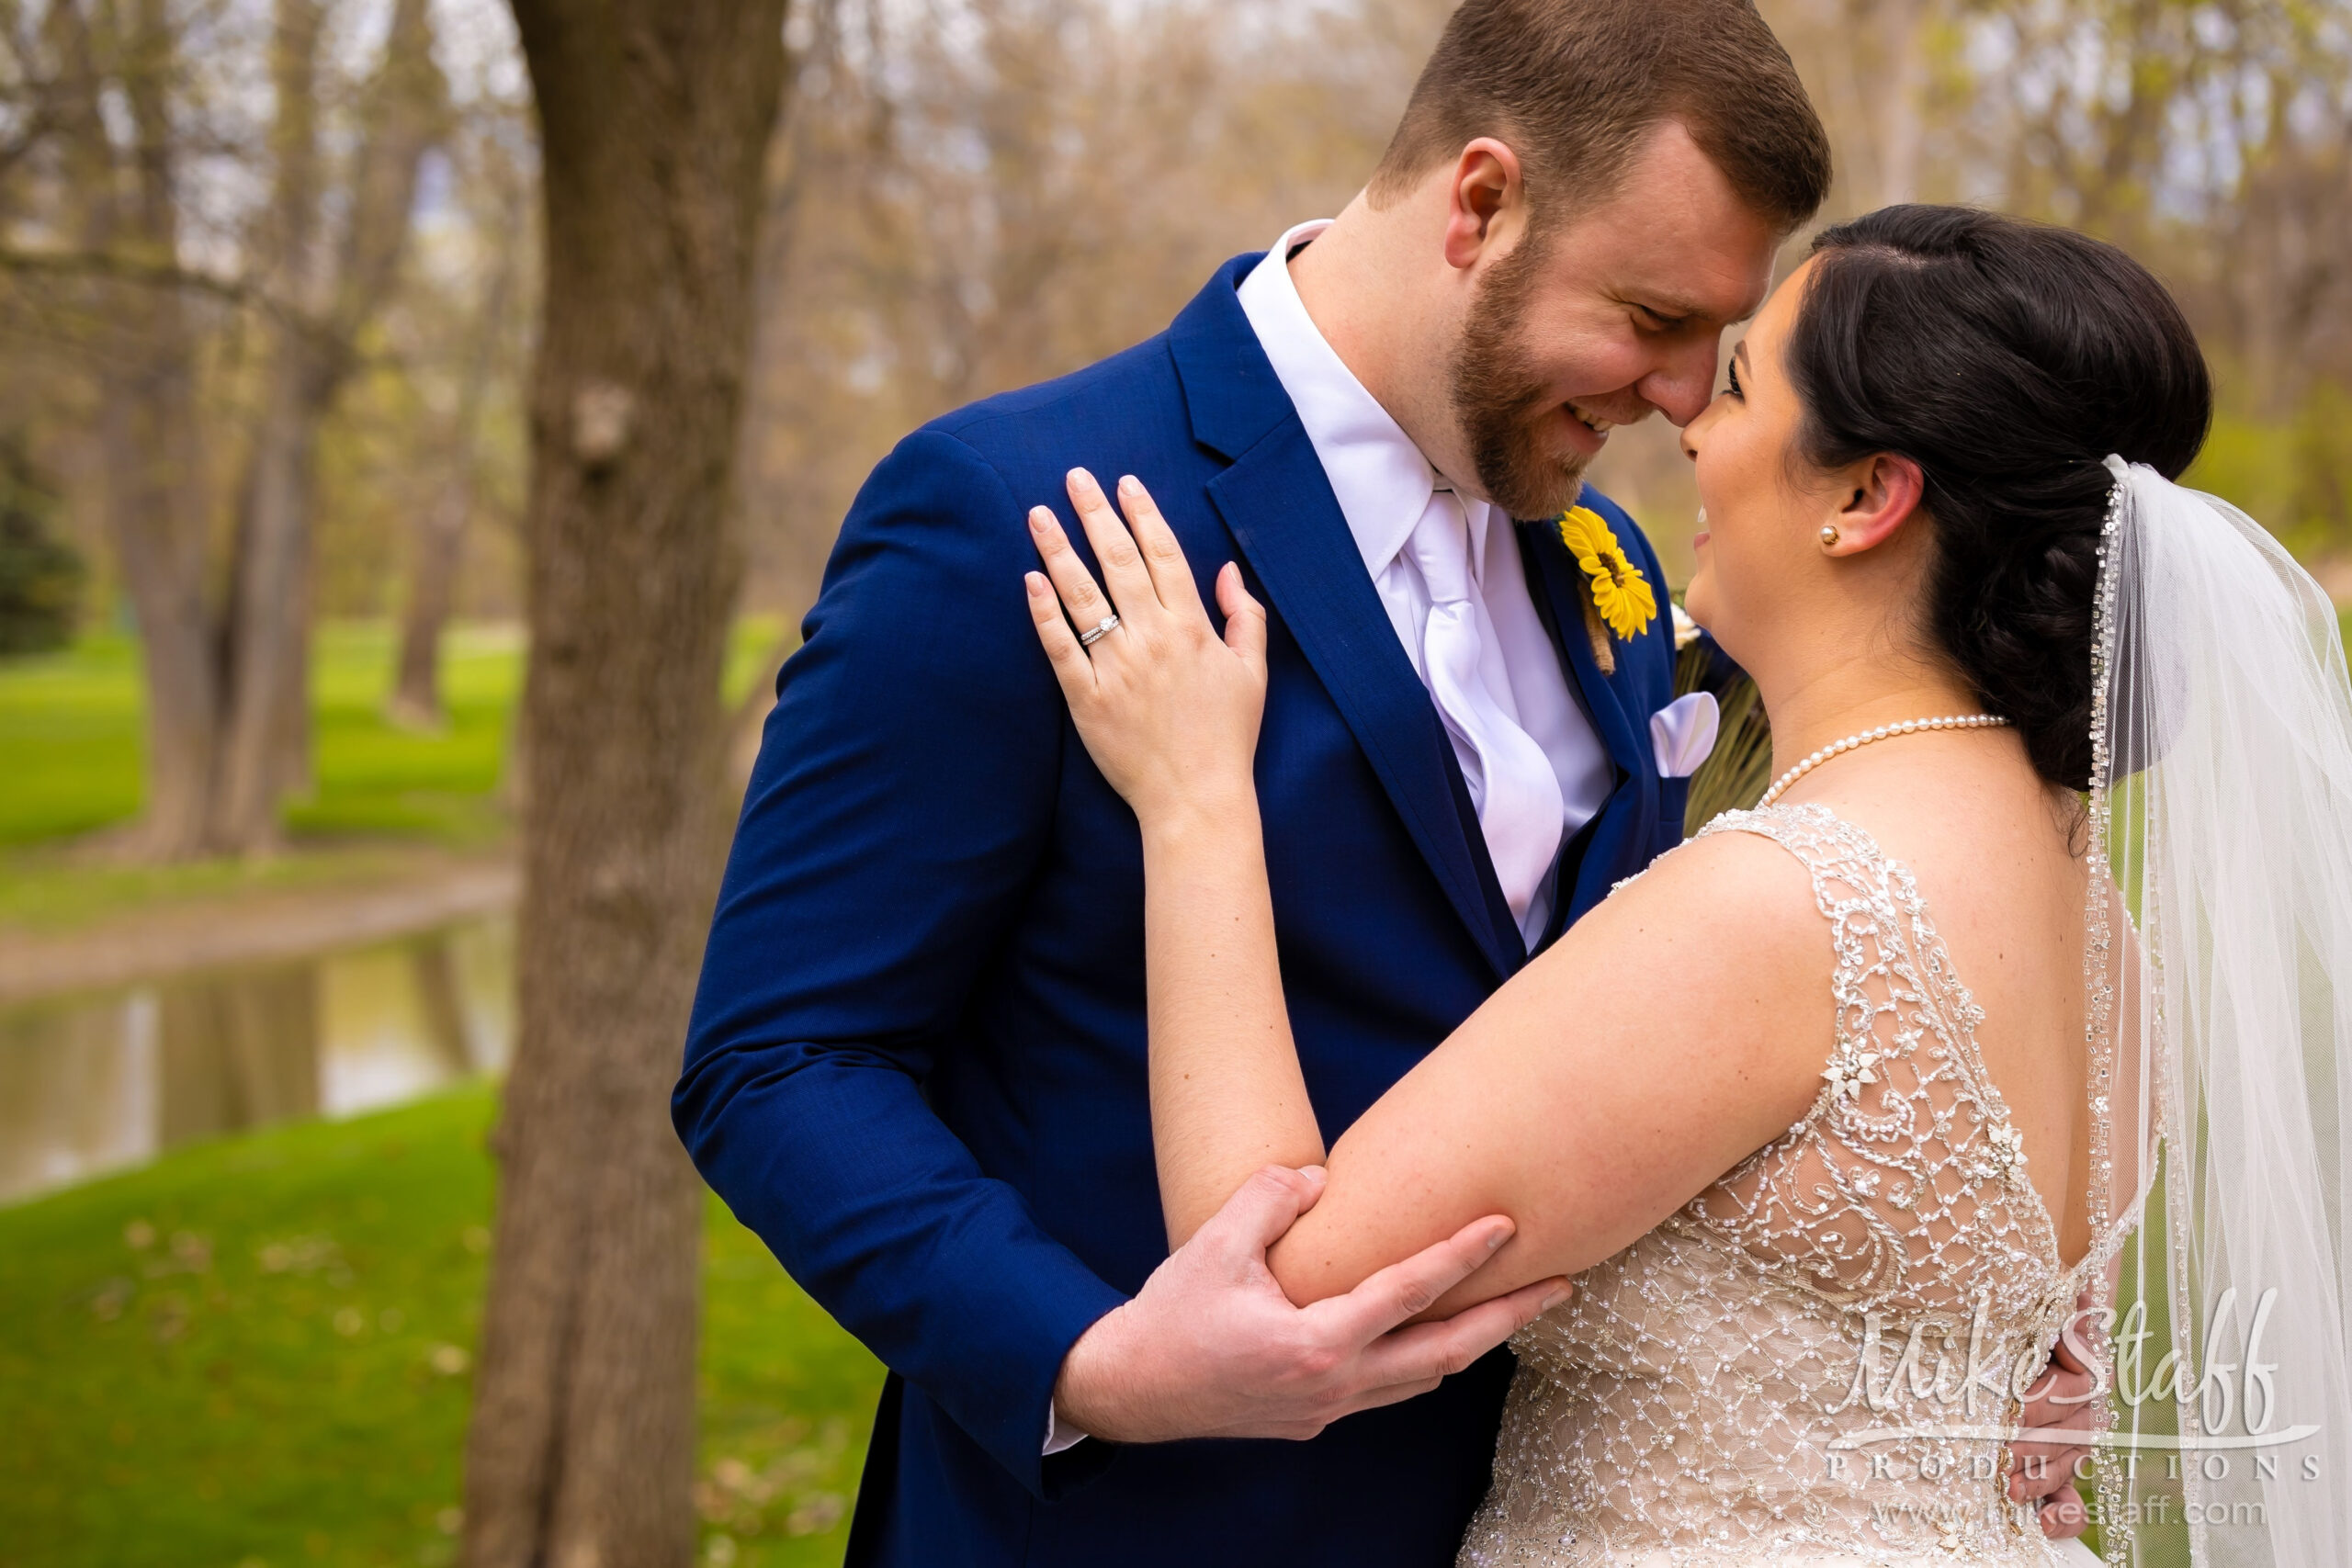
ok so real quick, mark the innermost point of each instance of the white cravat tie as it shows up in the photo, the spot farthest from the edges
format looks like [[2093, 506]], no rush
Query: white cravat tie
[[1512, 784]]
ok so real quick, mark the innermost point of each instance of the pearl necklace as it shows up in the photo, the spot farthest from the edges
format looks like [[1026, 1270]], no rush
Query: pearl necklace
[[1913, 726]]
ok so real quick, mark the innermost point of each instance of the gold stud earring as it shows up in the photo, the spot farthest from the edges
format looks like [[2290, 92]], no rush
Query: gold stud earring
[[1829, 535]]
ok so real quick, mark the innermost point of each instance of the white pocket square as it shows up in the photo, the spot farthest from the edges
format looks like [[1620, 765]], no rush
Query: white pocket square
[[1683, 733]]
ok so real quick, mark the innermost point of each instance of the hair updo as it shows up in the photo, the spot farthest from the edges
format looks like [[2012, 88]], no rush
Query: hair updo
[[2007, 359]]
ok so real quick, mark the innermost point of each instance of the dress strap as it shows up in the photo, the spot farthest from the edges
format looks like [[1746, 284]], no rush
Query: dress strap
[[1824, 843], [1845, 863], [1850, 887], [1892, 979]]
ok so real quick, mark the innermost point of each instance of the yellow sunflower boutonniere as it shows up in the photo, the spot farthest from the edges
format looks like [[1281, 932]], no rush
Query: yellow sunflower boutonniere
[[1622, 597]]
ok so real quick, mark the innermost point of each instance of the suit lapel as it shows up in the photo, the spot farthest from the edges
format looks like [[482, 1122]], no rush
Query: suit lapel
[[1279, 507], [1277, 503], [1560, 590]]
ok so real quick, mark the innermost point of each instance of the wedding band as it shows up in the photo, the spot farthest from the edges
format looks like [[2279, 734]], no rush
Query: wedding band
[[1098, 631]]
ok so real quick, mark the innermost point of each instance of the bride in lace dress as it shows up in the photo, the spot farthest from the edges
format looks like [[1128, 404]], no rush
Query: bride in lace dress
[[1735, 1379], [1828, 1119]]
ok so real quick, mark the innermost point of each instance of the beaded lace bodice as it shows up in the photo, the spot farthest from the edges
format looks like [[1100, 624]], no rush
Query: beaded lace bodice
[[1817, 1360]]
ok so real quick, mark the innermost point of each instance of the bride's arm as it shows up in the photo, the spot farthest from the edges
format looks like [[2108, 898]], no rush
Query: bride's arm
[[1670, 1033], [1227, 1094]]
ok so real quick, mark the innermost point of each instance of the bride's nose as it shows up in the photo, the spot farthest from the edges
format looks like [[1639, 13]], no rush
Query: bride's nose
[[1694, 435]]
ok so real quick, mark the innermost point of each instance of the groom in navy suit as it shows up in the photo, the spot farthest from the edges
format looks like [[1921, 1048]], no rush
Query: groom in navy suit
[[917, 1059]]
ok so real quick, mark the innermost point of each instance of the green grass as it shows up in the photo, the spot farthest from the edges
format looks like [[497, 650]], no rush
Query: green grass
[[377, 780], [70, 723], [69, 726], [256, 1351], [70, 735]]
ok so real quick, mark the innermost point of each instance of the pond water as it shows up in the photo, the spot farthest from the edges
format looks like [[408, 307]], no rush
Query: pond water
[[107, 1080]]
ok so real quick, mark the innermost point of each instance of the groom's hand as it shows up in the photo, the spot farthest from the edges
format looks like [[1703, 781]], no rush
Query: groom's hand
[[2055, 1439], [1211, 1348]]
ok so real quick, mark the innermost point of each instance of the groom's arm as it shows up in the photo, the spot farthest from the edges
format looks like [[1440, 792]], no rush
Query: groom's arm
[[902, 795], [898, 811]]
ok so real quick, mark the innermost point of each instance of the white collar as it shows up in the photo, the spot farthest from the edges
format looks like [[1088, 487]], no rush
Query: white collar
[[1381, 478]]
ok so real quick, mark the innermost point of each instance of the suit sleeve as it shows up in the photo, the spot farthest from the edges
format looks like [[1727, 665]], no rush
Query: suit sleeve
[[901, 800]]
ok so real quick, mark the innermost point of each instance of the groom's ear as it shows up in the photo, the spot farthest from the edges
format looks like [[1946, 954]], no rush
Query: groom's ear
[[1880, 495], [1485, 202]]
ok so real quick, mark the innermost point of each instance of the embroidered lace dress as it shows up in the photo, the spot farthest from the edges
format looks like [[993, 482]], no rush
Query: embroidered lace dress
[[1817, 1360]]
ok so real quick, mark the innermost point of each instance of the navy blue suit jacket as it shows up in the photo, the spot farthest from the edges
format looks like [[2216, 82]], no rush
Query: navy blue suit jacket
[[916, 1065]]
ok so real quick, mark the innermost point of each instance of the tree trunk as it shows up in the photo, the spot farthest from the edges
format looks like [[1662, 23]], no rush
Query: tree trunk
[[266, 747], [654, 116], [437, 541], [155, 516], [267, 626], [148, 435], [435, 544]]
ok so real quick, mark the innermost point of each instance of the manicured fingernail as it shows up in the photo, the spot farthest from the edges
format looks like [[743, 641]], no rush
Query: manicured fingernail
[[1127, 484], [1555, 1298], [1040, 518], [1080, 477], [1495, 1238], [1036, 580], [1313, 1172]]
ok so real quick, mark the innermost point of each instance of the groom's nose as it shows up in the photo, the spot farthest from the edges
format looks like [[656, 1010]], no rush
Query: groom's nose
[[1682, 382]]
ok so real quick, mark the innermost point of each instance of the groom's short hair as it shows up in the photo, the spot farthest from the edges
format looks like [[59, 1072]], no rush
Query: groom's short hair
[[1573, 86]]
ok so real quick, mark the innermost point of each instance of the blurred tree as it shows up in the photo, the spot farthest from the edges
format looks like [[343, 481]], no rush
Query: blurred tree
[[435, 408], [2210, 138], [654, 118], [121, 201], [437, 534], [332, 295], [127, 110], [972, 194], [986, 193]]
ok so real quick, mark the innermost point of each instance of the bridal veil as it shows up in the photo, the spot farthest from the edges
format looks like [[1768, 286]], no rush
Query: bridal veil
[[2218, 955]]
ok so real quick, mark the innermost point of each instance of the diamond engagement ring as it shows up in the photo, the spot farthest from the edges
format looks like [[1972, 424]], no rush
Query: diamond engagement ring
[[1098, 631]]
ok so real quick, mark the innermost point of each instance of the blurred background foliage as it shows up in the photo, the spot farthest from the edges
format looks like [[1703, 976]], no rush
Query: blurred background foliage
[[269, 280], [962, 196], [970, 195]]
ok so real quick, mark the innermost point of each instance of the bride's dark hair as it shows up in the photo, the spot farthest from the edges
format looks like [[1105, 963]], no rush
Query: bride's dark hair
[[2006, 359]]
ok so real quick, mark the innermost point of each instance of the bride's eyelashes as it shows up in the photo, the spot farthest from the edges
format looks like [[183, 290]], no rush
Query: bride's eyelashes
[[1732, 366]]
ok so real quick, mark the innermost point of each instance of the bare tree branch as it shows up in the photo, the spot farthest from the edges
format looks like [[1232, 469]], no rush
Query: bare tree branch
[[120, 268]]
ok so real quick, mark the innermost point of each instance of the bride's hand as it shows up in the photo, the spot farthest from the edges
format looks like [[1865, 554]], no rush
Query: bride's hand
[[1168, 709]]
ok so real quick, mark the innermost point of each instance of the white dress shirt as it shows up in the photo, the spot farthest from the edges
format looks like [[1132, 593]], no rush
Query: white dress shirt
[[1390, 495], [1536, 771]]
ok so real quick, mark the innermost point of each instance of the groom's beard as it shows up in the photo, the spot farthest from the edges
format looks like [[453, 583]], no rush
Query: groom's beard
[[1502, 400]]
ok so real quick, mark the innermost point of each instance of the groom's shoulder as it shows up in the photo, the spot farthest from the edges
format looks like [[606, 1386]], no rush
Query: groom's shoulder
[[961, 485], [1132, 390]]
